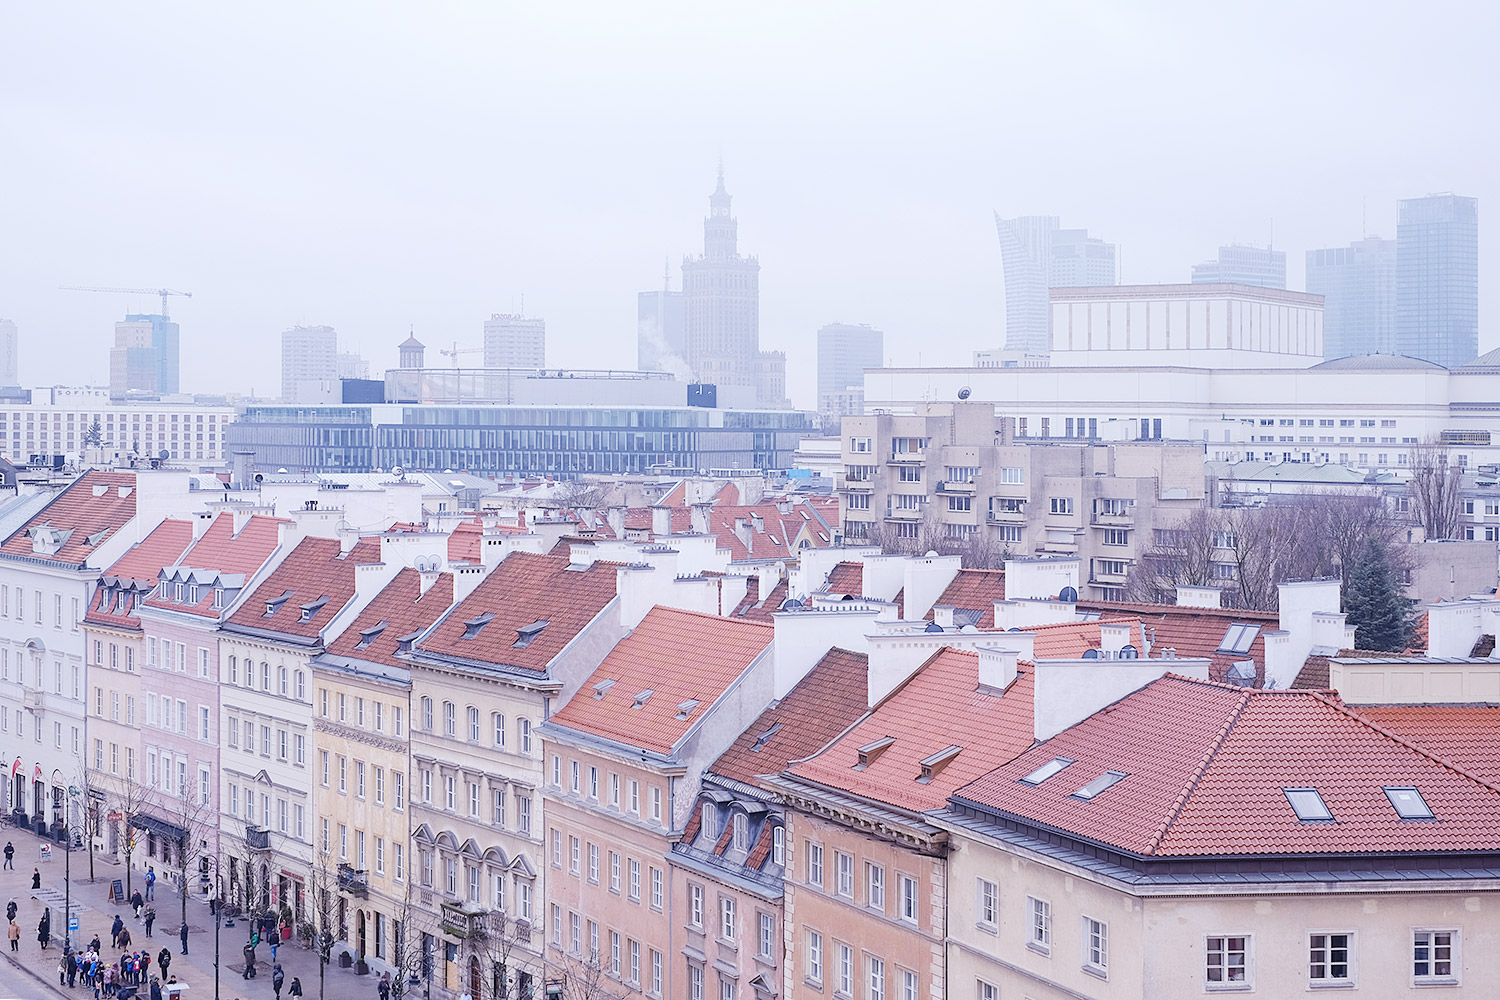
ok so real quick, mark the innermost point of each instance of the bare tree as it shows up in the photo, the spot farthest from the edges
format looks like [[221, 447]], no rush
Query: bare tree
[[318, 930], [1436, 487], [130, 799], [196, 821], [406, 956]]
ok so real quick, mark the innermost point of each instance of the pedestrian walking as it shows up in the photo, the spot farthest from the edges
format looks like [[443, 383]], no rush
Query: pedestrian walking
[[384, 989], [296, 988], [15, 935], [183, 934], [137, 902], [36, 878], [94, 945], [124, 938], [277, 978], [249, 952], [150, 918], [114, 931], [44, 930], [164, 959], [10, 855], [150, 882], [10, 909], [275, 944], [62, 969]]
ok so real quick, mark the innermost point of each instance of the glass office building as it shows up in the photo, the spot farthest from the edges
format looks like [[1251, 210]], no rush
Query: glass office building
[[561, 441], [1437, 279]]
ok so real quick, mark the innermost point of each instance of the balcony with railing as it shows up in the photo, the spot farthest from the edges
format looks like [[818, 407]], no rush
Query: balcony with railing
[[354, 881], [1113, 514], [463, 921], [959, 487], [257, 838]]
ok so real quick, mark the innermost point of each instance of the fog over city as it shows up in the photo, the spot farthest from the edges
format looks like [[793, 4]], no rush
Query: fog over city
[[380, 168]]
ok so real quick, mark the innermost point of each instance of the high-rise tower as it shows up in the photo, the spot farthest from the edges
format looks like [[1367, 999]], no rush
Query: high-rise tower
[[1038, 256], [1358, 285], [721, 328], [1437, 279]]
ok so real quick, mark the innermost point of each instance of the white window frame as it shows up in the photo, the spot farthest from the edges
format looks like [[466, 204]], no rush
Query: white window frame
[[1220, 945], [1095, 941], [1455, 957], [1326, 962]]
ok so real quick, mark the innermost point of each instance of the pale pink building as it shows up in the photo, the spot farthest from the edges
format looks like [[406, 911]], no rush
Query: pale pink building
[[234, 549]]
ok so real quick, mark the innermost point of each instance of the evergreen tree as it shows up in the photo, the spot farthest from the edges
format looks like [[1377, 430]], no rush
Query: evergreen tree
[[1372, 599]]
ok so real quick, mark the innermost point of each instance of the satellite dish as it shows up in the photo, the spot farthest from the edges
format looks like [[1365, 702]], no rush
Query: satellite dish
[[933, 627], [965, 392], [398, 471], [1068, 595], [164, 454]]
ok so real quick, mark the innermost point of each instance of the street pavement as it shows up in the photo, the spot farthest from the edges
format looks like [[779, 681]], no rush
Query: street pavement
[[32, 972]]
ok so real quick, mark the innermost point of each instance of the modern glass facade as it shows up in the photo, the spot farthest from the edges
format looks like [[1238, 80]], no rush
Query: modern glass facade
[[1358, 285], [519, 441], [165, 341], [1437, 279]]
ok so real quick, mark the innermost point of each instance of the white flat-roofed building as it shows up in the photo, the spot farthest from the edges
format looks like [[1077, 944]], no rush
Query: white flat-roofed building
[[1199, 325], [58, 421], [1364, 411]]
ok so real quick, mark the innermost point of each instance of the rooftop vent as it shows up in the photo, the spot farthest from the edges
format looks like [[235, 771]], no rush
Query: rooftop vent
[[602, 688], [642, 698], [312, 608], [934, 764], [526, 633], [404, 642], [473, 626], [369, 635], [275, 603], [870, 752], [685, 709], [763, 738]]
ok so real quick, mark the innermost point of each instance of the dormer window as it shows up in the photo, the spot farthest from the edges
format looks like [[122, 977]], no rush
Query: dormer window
[[192, 594], [710, 820], [741, 840], [642, 698], [219, 598], [685, 709], [474, 625], [404, 643], [309, 610], [871, 752], [934, 764], [369, 635], [602, 688], [178, 591], [526, 633], [275, 603]]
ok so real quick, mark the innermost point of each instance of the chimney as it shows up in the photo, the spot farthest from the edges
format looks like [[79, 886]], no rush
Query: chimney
[[465, 579], [1041, 579], [742, 532], [924, 580], [943, 616], [758, 523], [1068, 691], [616, 518], [201, 522], [1199, 597], [426, 579], [1113, 637], [699, 515], [997, 667], [1299, 602], [661, 521]]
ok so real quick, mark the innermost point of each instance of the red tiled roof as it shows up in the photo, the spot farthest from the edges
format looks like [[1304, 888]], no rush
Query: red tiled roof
[[780, 536], [403, 608], [1467, 735], [1314, 674], [143, 564], [676, 496], [87, 518], [1195, 631], [677, 655], [523, 589], [728, 494], [466, 542], [1206, 765], [939, 706], [974, 590], [752, 608], [823, 703], [846, 578], [222, 551], [316, 570]]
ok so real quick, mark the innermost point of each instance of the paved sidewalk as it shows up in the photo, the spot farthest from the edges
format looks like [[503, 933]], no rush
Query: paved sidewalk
[[91, 904]]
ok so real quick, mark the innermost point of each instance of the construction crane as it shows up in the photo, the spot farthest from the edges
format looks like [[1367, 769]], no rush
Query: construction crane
[[455, 351], [163, 292]]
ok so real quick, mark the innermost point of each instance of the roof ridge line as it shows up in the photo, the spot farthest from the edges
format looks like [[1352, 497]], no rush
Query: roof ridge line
[[1202, 769], [1339, 706]]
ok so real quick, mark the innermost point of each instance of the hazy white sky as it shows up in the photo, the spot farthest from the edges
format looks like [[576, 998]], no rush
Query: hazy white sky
[[380, 166]]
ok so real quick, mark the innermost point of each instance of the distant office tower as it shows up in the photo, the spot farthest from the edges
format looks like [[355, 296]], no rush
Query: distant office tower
[[1358, 285], [133, 364], [515, 341], [164, 342], [721, 328], [1038, 256], [844, 352], [309, 361], [1437, 279], [1243, 264], [660, 334], [349, 364], [770, 380], [10, 351]]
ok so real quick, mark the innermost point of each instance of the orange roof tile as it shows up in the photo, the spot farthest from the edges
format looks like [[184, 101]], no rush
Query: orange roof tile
[[1467, 735], [1206, 766], [974, 590], [313, 572], [680, 657], [82, 520], [524, 589], [821, 706], [846, 578], [466, 542], [939, 706], [752, 608], [223, 552], [400, 609]]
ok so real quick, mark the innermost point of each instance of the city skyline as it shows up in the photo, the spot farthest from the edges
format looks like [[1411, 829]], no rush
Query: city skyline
[[351, 232]]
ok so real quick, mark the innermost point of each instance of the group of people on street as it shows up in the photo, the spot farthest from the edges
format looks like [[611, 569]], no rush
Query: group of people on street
[[87, 968]]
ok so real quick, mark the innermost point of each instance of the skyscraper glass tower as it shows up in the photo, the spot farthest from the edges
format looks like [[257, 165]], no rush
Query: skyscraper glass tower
[[1437, 279], [1358, 285], [1038, 256]]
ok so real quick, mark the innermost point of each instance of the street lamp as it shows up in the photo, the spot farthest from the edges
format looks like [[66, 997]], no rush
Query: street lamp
[[68, 872], [216, 904]]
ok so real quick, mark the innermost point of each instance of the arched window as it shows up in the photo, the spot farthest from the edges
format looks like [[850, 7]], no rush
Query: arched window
[[426, 714], [234, 670], [473, 724], [282, 680], [301, 685], [499, 720], [450, 720]]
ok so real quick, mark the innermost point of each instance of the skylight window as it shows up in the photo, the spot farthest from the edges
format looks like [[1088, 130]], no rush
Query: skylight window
[[369, 635], [526, 633], [1408, 802], [1308, 805], [1046, 771], [1239, 638], [1106, 780]]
